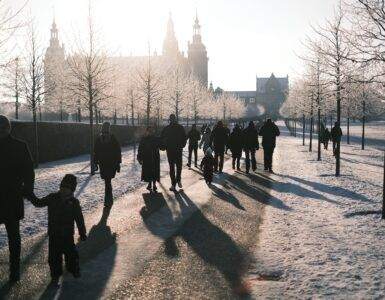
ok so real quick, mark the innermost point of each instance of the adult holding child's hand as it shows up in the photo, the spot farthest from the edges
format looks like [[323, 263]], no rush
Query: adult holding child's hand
[[17, 178]]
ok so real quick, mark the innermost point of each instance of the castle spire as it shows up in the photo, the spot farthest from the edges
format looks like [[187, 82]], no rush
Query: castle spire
[[170, 44]]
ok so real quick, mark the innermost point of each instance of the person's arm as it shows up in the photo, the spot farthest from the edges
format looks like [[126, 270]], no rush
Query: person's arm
[[28, 172], [257, 140], [79, 219], [139, 157], [183, 136], [278, 133], [39, 202], [96, 152]]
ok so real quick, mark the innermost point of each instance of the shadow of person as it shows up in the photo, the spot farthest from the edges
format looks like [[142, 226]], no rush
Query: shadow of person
[[226, 196], [214, 246], [152, 203], [170, 247]]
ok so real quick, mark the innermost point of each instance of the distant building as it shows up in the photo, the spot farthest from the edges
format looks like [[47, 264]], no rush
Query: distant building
[[195, 63], [268, 97]]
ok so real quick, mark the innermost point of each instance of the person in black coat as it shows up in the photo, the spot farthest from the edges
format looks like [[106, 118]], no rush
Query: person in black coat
[[17, 178], [63, 211], [219, 138], [269, 132], [207, 166], [174, 140], [193, 137], [149, 157], [228, 131], [108, 156], [250, 145], [336, 135], [235, 144]]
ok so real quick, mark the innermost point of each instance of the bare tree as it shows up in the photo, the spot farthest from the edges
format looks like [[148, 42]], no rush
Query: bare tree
[[13, 82], [90, 79]]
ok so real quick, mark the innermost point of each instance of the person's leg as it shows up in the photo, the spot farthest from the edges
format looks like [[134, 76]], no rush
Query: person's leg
[[171, 163], [196, 156], [108, 198], [179, 162], [216, 156], [247, 154], [253, 160], [233, 162], [221, 161], [14, 244], [265, 159], [239, 162], [71, 257], [55, 257], [270, 159], [190, 150], [154, 186]]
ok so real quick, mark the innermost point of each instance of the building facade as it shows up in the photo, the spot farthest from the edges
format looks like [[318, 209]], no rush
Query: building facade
[[268, 97], [195, 63]]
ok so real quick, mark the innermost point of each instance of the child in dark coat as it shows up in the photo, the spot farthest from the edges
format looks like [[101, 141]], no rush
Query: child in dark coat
[[208, 165], [63, 210]]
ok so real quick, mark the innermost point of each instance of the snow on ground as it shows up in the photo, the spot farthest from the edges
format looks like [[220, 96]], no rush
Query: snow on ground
[[90, 190], [374, 132], [329, 244]]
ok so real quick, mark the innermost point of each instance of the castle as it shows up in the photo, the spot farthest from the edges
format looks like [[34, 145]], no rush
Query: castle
[[196, 62]]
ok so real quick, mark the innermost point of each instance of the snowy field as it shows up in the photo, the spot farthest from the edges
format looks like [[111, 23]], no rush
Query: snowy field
[[90, 190], [330, 243], [374, 132]]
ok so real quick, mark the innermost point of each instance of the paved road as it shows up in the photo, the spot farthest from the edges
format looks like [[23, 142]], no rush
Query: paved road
[[193, 244]]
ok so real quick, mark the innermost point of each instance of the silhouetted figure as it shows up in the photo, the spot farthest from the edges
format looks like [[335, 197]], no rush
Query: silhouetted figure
[[206, 139], [174, 140], [235, 144], [207, 166], [193, 139], [269, 132], [250, 145], [336, 135], [63, 211], [228, 131], [108, 157], [203, 128], [326, 138], [16, 179], [219, 138], [149, 157]]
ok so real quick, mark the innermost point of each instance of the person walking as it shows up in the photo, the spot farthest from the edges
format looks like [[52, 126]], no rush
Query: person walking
[[235, 144], [336, 135], [193, 138], [17, 178], [250, 146], [207, 166], [174, 140], [149, 158], [108, 157], [326, 138], [63, 211], [228, 132], [206, 139], [219, 138], [269, 132]]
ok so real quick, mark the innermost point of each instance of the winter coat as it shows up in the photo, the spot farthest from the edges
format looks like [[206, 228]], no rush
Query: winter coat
[[236, 142], [205, 141], [17, 178], [149, 157], [62, 214], [193, 138], [250, 138], [174, 137], [269, 132], [336, 134], [325, 136], [208, 165], [108, 156], [219, 138]]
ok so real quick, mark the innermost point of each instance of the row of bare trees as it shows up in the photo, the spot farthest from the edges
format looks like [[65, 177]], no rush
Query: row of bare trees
[[344, 71]]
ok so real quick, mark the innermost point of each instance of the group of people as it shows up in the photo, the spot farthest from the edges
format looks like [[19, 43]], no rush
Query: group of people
[[17, 178], [334, 135]]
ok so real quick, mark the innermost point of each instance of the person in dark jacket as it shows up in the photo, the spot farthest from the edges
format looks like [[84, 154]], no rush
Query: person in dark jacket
[[250, 145], [219, 138], [206, 140], [174, 140], [149, 157], [207, 166], [16, 180], [235, 144], [228, 131], [108, 157], [63, 211], [269, 132], [336, 135], [193, 137], [326, 138]]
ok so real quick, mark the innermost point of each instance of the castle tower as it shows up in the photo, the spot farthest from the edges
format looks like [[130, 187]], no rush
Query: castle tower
[[197, 55], [170, 44], [54, 64]]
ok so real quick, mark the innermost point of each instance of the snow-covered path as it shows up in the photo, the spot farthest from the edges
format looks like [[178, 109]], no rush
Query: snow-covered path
[[328, 244]]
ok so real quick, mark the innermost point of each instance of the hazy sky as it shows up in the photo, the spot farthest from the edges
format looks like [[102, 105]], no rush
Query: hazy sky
[[244, 38]]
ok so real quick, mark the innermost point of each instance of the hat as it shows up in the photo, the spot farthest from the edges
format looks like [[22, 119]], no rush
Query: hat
[[69, 181]]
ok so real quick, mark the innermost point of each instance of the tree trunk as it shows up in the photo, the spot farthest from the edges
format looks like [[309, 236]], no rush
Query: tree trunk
[[363, 125], [303, 129], [311, 133], [319, 133], [91, 115], [348, 130], [36, 136], [338, 147]]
